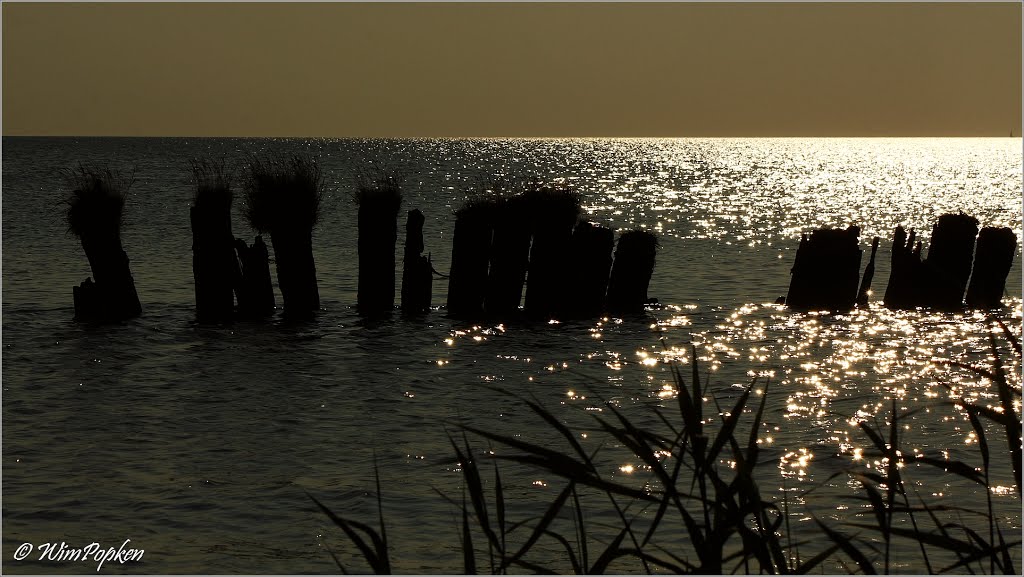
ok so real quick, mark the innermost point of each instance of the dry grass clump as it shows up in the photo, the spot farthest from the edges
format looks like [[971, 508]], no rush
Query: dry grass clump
[[380, 187], [96, 203], [211, 183], [283, 195]]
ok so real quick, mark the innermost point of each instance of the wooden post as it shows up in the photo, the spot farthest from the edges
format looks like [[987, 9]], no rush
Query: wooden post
[[826, 271], [94, 215], [869, 275], [283, 199], [555, 212], [379, 202], [590, 267], [471, 248], [255, 290], [993, 258], [631, 271], [417, 271], [510, 256], [214, 263], [948, 266]]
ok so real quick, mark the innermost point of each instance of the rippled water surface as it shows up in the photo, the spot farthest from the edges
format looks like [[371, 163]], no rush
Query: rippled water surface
[[199, 443]]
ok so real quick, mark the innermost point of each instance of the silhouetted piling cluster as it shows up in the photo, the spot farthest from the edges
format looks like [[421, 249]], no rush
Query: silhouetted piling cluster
[[536, 239], [95, 215], [826, 265], [529, 248], [940, 281]]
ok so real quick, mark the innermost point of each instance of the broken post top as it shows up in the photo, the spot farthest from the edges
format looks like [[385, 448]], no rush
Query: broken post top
[[841, 237], [640, 242]]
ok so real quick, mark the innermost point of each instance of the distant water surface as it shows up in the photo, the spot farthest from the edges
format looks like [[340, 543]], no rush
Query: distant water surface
[[199, 442]]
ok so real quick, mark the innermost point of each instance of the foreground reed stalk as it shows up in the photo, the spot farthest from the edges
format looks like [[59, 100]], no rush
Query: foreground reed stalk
[[283, 199], [95, 215]]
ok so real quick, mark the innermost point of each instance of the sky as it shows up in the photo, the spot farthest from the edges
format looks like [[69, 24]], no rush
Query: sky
[[512, 69]]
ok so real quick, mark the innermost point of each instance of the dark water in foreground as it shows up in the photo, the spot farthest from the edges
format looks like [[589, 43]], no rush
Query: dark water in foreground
[[198, 442]]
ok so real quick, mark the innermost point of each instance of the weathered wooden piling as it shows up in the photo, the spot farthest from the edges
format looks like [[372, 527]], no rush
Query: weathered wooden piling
[[94, 215], [555, 212], [869, 275], [417, 271], [471, 247], [283, 198], [992, 261], [948, 266], [826, 271], [591, 264], [214, 263], [902, 290], [379, 200], [509, 256], [255, 290], [631, 271]]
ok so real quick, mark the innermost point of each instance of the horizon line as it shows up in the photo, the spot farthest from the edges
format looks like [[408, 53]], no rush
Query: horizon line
[[492, 137]]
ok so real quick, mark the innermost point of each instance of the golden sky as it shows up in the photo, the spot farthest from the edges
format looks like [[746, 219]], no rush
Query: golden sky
[[512, 69]]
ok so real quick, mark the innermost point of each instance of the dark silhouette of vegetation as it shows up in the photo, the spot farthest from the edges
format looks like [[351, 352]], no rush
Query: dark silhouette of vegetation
[[283, 199], [95, 215]]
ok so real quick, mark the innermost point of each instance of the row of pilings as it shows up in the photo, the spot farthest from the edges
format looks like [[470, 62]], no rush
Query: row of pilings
[[537, 241], [502, 245], [964, 267]]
